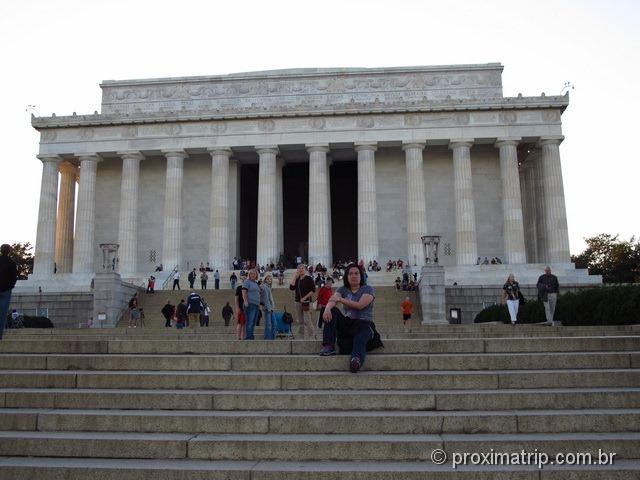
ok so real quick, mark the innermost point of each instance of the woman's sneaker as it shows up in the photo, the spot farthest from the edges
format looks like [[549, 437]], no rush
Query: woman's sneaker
[[354, 364], [327, 350]]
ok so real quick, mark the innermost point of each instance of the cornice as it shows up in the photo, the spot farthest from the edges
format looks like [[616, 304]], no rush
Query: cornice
[[356, 108]]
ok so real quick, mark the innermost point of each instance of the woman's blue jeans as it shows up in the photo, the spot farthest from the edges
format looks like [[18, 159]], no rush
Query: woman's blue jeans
[[269, 325], [251, 312]]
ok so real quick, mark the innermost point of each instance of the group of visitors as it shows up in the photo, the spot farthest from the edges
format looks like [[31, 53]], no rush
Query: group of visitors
[[486, 261], [395, 264], [547, 288], [136, 313], [193, 276], [190, 313]]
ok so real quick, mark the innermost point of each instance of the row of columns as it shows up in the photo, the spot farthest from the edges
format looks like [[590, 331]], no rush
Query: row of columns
[[547, 236]]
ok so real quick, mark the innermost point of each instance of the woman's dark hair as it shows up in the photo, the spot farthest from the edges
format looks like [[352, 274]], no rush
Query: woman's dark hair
[[346, 275]]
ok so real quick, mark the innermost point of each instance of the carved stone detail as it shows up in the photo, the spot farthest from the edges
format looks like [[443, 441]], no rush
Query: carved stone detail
[[87, 133], [130, 131], [463, 118], [412, 119], [266, 125], [365, 122], [318, 123], [218, 127], [551, 116], [172, 129], [49, 135], [509, 117]]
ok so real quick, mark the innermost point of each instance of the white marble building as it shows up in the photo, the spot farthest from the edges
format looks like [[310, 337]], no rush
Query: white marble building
[[180, 171]]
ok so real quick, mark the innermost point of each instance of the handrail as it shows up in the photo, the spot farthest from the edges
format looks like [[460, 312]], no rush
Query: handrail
[[170, 277]]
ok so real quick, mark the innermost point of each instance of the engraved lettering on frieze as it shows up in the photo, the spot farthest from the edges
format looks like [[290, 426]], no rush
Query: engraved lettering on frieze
[[267, 125], [412, 119], [365, 122], [86, 133], [508, 117], [550, 116], [318, 123], [463, 118], [130, 131], [218, 127], [49, 135]]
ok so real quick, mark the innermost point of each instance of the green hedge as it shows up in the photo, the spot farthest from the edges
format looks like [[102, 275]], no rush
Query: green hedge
[[619, 305]]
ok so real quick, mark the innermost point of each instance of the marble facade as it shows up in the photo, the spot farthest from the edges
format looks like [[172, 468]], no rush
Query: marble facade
[[439, 150]]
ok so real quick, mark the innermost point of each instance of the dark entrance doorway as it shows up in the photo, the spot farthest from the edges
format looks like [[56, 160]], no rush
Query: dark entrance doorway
[[295, 202], [344, 210], [248, 211]]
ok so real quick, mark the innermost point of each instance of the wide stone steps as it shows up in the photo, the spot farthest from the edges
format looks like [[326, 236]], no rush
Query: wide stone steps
[[186, 469], [391, 380], [321, 421], [204, 345], [311, 400], [340, 447], [149, 403], [312, 363]]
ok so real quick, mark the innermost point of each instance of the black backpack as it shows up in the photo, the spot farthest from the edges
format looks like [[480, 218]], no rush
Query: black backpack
[[287, 318]]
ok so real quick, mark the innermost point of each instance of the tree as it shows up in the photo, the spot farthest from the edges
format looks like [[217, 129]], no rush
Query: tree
[[618, 261], [21, 254]]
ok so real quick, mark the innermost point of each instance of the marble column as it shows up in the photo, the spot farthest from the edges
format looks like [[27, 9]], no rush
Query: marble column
[[234, 207], [84, 244], [128, 224], [172, 233], [557, 232], [540, 208], [319, 213], [367, 203], [267, 244], [513, 226], [44, 255], [66, 212], [528, 209], [466, 243], [219, 217], [416, 202], [280, 205]]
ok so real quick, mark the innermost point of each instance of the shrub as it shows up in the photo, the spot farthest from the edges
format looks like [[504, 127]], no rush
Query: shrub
[[616, 305]]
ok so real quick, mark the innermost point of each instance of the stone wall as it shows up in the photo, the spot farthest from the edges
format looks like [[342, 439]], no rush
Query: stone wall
[[66, 310]]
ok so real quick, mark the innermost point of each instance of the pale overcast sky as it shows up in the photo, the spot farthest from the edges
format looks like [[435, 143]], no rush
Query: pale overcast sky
[[55, 53]]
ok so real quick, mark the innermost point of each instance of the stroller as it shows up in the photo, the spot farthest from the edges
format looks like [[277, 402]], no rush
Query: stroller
[[284, 322]]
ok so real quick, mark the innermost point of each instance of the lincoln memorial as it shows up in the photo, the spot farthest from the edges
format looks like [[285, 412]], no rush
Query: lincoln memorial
[[325, 164]]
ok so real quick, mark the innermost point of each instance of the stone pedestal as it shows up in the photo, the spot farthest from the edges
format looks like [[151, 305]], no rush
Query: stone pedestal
[[432, 295], [107, 304]]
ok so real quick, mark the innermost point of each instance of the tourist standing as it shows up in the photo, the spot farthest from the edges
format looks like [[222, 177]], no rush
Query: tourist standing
[[548, 288], [216, 278], [8, 279], [227, 313], [357, 300], [176, 281], [251, 301], [324, 294], [194, 308], [134, 314], [192, 278], [203, 280], [167, 312], [181, 315], [206, 312], [511, 294], [233, 279], [303, 286], [241, 327], [268, 306], [407, 310]]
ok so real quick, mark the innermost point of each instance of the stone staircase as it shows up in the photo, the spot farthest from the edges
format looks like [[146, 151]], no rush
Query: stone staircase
[[388, 316], [157, 403]]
